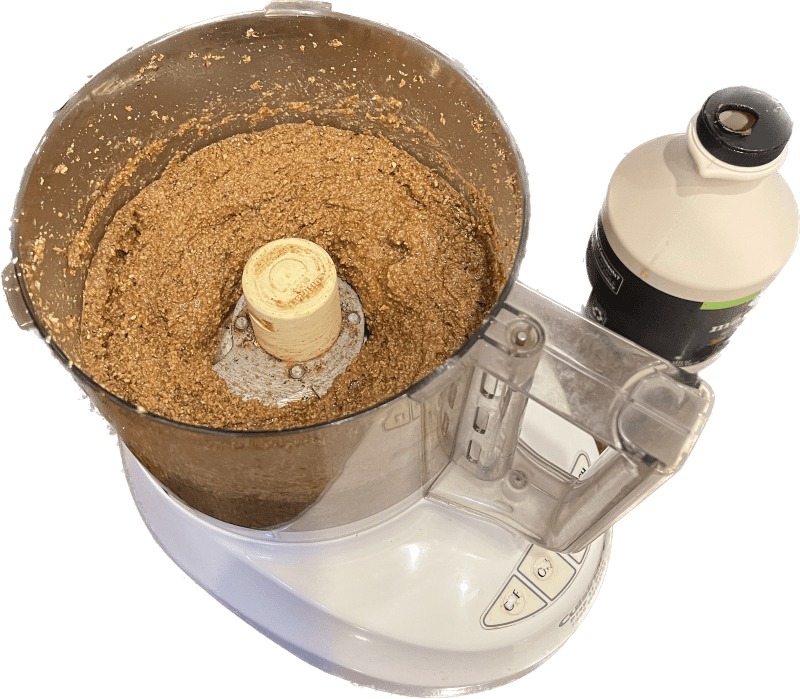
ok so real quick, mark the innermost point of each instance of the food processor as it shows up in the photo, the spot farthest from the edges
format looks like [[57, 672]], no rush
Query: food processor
[[324, 559]]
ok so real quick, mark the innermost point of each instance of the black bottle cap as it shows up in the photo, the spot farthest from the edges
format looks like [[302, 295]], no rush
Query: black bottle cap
[[742, 126]]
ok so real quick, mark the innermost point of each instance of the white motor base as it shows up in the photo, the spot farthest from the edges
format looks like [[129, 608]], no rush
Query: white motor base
[[432, 602]]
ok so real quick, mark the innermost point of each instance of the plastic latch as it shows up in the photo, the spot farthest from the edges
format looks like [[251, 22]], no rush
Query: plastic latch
[[14, 297]]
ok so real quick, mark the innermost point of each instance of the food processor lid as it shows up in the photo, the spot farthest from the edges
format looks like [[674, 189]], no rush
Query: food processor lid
[[743, 126]]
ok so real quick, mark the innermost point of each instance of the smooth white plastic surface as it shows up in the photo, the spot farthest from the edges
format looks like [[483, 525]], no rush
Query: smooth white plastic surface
[[398, 607], [693, 236]]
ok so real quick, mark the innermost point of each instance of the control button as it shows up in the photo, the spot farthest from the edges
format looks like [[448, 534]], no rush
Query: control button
[[581, 465], [548, 571], [543, 568], [515, 602], [578, 556]]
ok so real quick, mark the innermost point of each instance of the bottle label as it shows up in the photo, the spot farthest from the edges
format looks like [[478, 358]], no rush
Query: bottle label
[[681, 331]]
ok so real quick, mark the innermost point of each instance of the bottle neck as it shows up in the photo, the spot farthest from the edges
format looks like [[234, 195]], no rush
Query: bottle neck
[[711, 167]]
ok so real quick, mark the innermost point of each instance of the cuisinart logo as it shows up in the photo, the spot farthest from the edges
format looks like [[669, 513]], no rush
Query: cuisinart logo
[[610, 275]]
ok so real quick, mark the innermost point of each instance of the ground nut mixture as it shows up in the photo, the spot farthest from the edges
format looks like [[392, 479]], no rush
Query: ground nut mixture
[[169, 270]]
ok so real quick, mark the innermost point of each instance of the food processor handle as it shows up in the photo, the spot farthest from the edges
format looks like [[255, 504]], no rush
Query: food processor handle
[[648, 413]]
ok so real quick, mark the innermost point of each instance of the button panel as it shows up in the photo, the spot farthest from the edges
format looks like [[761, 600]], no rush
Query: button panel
[[516, 601], [548, 571], [539, 579], [578, 556], [581, 465]]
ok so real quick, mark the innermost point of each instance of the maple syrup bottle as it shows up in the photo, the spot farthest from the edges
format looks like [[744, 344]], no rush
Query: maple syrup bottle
[[693, 228]]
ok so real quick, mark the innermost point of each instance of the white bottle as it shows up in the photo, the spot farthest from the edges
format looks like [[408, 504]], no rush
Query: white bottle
[[693, 228]]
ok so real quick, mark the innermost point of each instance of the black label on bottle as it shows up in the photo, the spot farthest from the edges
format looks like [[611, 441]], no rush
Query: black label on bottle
[[681, 331]]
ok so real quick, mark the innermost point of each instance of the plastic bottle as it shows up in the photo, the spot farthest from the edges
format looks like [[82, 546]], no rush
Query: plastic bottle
[[693, 228]]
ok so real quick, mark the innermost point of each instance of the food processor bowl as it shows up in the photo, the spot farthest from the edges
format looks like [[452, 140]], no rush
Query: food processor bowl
[[202, 84]]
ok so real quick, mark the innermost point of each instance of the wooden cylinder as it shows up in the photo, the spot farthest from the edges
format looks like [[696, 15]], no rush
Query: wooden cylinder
[[292, 298]]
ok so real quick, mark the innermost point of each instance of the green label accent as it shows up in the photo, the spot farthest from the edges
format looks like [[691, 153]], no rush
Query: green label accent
[[715, 305]]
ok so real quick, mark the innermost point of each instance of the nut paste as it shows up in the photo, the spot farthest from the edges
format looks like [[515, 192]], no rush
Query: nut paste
[[169, 268]]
